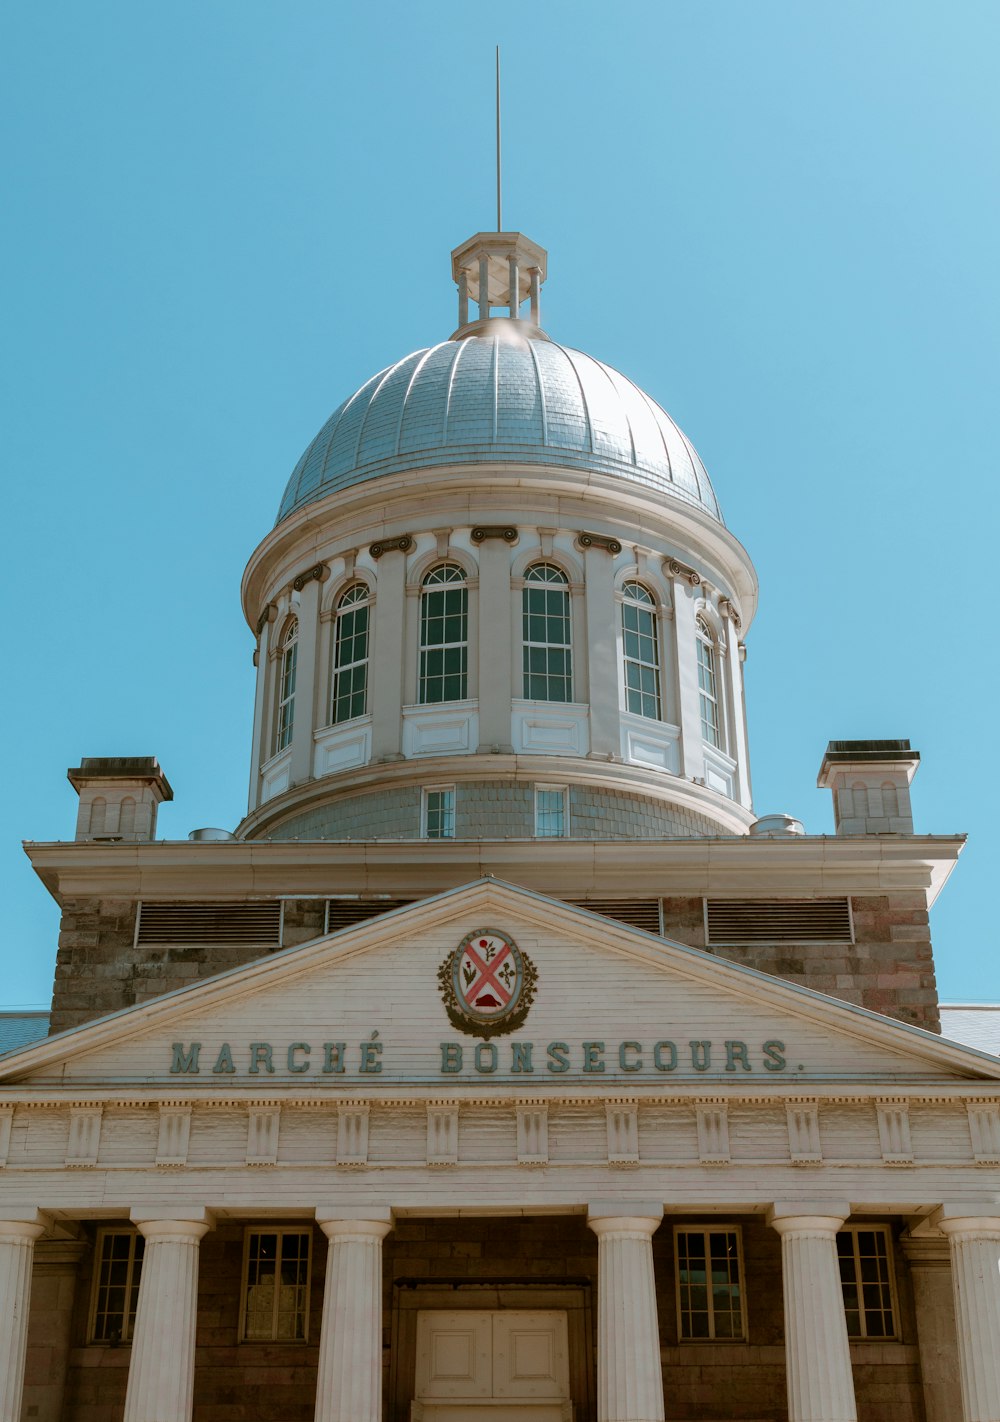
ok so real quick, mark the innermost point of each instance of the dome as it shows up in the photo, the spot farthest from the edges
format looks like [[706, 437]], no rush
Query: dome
[[500, 395]]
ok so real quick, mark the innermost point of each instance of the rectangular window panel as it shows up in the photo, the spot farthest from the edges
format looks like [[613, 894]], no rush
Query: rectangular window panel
[[276, 1286], [439, 813], [116, 1285], [550, 813], [710, 1302], [866, 1279], [709, 696], [444, 652]]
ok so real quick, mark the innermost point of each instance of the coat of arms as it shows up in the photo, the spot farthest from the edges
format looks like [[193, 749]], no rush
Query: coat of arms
[[487, 984]]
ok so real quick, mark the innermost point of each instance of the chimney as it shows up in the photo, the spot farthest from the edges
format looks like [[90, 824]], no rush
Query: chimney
[[870, 781], [118, 797]]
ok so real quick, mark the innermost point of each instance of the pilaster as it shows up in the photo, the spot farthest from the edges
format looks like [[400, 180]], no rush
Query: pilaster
[[304, 722], [688, 696], [934, 1304], [602, 652], [495, 646], [386, 664]]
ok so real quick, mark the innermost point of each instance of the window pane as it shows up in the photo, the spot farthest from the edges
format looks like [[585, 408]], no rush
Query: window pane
[[709, 1289]]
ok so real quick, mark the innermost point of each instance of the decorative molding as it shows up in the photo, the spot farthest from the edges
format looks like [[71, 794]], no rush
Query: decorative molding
[[263, 1125], [598, 540], [316, 574], [894, 1131], [483, 531], [532, 1135], [174, 1135], [728, 609], [352, 1134], [623, 1132], [268, 615], [804, 1144], [442, 1135], [6, 1122], [681, 570], [84, 1137], [984, 1128], [402, 544], [713, 1133]]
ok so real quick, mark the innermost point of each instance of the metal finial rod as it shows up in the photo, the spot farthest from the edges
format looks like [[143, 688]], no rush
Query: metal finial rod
[[499, 207]]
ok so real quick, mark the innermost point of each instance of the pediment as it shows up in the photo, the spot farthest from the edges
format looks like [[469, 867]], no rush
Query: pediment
[[584, 1003]]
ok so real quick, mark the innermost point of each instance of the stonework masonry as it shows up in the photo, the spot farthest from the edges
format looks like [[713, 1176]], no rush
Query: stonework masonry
[[888, 969], [485, 1264]]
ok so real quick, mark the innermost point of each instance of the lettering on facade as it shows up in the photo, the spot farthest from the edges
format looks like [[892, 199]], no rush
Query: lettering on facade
[[693, 1056]]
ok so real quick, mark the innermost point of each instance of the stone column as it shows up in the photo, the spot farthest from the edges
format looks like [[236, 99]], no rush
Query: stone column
[[304, 722], [386, 663], [17, 1249], [817, 1353], [975, 1268], [53, 1291], [495, 659], [349, 1376], [260, 728], [629, 1373], [934, 1304], [161, 1373], [603, 672]]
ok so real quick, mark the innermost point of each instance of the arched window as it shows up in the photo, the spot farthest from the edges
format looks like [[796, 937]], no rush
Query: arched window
[[708, 685], [547, 655], [641, 652], [350, 655], [286, 686], [444, 636]]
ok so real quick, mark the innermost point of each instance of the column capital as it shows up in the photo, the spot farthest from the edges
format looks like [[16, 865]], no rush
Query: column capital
[[23, 1225], [189, 1227], [642, 1220], [973, 1219], [355, 1224], [808, 1217]]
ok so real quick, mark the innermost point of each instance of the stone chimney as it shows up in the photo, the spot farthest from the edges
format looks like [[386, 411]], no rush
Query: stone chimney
[[118, 797], [870, 781]]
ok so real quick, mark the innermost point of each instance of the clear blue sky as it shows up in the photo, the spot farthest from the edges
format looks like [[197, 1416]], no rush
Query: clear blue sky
[[780, 218]]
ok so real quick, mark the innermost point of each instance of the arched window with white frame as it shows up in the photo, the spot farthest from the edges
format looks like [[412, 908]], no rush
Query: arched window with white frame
[[640, 652], [286, 686], [708, 684], [350, 654], [444, 636], [547, 656]]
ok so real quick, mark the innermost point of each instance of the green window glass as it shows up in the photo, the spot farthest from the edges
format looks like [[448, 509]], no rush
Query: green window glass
[[709, 1287], [286, 687], [546, 649], [641, 652], [866, 1279], [444, 636], [439, 812], [350, 669]]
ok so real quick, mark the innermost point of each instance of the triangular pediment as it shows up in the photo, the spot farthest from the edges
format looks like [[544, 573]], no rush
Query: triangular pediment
[[584, 1002]]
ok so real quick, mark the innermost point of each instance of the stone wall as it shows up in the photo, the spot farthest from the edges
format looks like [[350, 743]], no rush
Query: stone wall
[[516, 1262], [889, 968]]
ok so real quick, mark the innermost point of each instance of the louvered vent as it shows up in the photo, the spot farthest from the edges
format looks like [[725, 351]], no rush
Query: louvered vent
[[341, 913], [637, 913], [256, 924], [778, 920]]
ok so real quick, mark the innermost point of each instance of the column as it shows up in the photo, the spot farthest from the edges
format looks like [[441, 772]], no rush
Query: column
[[259, 742], [349, 1376], [688, 695], [386, 664], [304, 724], [161, 1373], [817, 1353], [495, 641], [17, 1249], [732, 670], [629, 1373], [601, 640], [975, 1268], [934, 1304]]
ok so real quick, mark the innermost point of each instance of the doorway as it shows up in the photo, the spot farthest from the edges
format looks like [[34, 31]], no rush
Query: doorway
[[496, 1365]]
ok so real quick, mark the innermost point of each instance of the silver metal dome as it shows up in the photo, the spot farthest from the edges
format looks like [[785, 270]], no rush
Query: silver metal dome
[[500, 395]]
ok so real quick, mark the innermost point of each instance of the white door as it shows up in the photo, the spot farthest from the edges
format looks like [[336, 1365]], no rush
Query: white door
[[507, 1366]]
